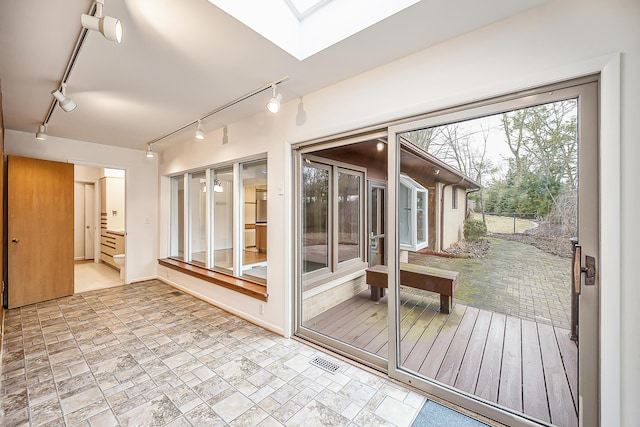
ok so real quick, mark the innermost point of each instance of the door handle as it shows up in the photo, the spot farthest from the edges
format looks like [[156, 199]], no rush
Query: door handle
[[589, 270], [15, 240], [88, 227]]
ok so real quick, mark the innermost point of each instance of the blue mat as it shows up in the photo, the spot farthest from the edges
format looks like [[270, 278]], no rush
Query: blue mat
[[433, 414]]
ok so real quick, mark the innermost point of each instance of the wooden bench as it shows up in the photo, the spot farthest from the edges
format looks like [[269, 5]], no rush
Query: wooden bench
[[443, 282]]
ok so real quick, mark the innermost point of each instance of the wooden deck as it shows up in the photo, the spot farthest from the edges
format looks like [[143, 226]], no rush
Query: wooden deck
[[520, 364]]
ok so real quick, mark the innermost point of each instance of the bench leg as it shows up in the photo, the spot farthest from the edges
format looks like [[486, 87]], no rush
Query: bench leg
[[376, 293], [446, 304]]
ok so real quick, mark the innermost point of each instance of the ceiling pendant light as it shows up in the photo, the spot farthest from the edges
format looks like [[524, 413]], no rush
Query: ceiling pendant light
[[109, 27], [199, 132], [150, 153], [66, 104], [274, 103], [42, 133]]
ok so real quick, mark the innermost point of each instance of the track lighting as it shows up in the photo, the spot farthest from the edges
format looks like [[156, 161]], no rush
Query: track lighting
[[380, 146], [274, 103], [150, 153], [109, 27], [199, 132], [42, 133], [66, 104], [217, 187]]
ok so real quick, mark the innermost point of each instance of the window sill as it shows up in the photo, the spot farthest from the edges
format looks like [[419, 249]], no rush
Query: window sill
[[254, 290]]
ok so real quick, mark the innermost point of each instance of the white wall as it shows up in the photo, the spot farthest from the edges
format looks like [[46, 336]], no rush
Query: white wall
[[115, 203], [141, 189], [559, 40], [78, 220]]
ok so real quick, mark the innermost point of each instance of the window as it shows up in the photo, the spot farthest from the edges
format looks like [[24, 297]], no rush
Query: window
[[454, 197], [332, 216], [254, 236], [223, 234], [412, 215], [198, 218], [223, 248], [349, 214], [315, 217], [177, 218]]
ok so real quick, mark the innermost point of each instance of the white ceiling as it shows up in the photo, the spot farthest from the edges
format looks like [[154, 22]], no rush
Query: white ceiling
[[181, 59]]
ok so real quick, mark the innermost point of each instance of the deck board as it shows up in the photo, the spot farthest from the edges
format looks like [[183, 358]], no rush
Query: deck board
[[489, 375], [520, 364], [470, 366], [413, 354], [433, 360], [569, 353], [451, 364], [510, 390], [534, 393], [556, 379]]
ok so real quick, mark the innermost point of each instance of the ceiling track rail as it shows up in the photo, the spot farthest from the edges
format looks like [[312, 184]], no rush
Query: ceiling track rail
[[219, 109], [70, 64]]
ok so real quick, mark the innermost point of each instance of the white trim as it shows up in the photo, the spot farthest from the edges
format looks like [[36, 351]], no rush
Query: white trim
[[610, 241]]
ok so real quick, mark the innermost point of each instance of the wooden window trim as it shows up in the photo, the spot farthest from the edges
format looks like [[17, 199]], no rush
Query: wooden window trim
[[243, 286]]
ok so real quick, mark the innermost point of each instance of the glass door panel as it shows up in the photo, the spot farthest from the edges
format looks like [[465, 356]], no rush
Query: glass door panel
[[337, 217], [484, 313]]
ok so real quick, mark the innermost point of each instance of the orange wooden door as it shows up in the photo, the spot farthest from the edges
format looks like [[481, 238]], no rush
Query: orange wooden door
[[40, 230]]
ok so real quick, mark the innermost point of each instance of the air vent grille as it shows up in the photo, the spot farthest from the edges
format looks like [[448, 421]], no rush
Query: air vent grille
[[325, 364]]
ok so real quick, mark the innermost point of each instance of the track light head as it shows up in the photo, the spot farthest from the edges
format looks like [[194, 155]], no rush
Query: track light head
[[199, 133], [150, 154], [66, 104], [274, 103], [109, 27], [41, 135]]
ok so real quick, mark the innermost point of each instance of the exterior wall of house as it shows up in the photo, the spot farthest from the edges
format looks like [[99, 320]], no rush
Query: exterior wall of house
[[453, 224], [550, 43]]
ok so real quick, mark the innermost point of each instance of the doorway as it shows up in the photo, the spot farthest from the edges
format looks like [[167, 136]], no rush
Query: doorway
[[99, 218], [464, 355]]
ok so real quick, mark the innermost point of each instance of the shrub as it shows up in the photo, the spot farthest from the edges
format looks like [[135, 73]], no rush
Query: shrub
[[474, 229]]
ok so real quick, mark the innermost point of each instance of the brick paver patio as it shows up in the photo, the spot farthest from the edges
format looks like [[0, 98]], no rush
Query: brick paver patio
[[515, 279]]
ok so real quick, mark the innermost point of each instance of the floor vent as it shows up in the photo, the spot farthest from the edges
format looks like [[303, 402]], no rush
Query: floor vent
[[325, 364]]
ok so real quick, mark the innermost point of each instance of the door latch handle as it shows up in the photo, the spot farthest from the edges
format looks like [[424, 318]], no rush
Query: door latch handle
[[15, 240], [589, 270]]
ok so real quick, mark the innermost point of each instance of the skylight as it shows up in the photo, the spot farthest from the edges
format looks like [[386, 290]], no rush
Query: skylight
[[303, 8], [305, 27]]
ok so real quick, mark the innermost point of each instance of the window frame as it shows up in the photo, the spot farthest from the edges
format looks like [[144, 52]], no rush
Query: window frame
[[237, 218], [335, 268], [414, 188]]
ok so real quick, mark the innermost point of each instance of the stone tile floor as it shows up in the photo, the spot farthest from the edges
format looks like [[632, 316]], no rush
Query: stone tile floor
[[146, 354]]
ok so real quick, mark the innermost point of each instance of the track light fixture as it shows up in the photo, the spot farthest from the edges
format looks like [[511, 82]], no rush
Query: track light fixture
[[217, 187], [109, 27], [66, 104], [150, 153], [42, 133], [274, 103], [199, 132]]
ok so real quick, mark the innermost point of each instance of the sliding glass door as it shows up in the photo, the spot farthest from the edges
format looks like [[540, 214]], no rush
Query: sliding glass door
[[482, 316]]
